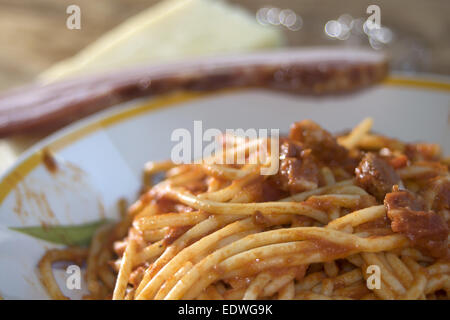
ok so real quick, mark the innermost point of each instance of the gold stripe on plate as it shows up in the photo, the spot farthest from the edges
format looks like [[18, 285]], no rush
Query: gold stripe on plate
[[10, 181], [419, 83]]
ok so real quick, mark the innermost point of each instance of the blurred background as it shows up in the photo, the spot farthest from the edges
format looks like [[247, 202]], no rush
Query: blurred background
[[34, 36]]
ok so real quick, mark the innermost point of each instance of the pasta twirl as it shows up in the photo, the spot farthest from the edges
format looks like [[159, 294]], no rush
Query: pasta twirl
[[337, 208]]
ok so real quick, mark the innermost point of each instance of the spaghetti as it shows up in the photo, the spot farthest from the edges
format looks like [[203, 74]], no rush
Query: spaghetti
[[338, 208]]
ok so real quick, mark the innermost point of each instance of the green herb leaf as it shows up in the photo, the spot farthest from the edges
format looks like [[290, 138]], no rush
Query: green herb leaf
[[72, 235]]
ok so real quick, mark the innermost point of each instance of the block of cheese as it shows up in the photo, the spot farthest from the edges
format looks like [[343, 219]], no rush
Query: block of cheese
[[169, 30]]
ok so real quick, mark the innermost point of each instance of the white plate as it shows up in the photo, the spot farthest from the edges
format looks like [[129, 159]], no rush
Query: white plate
[[101, 158]]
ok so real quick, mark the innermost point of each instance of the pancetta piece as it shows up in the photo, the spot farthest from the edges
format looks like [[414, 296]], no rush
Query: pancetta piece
[[376, 175], [427, 230], [298, 169]]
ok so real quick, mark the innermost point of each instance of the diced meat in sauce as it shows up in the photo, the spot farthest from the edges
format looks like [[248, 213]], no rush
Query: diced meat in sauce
[[271, 192], [298, 169], [260, 191], [394, 158], [165, 205], [423, 151], [322, 143], [376, 175], [427, 230], [402, 199], [437, 193], [263, 190]]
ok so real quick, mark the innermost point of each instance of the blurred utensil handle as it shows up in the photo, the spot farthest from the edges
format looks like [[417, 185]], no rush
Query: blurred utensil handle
[[315, 71]]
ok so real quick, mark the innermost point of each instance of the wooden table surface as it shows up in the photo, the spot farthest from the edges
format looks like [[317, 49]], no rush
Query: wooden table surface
[[33, 34]]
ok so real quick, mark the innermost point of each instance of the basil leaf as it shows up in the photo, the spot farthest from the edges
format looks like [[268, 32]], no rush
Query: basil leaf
[[71, 235]]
